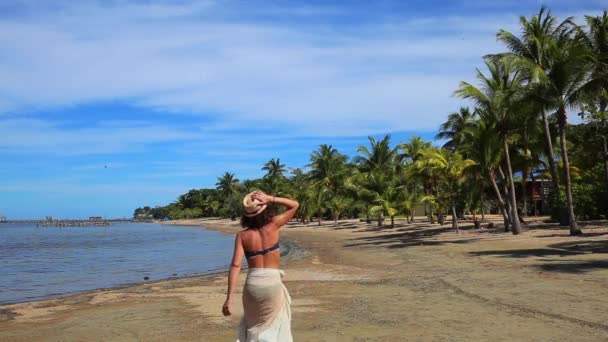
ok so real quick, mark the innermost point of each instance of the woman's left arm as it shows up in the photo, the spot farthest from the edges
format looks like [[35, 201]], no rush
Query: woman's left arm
[[233, 275]]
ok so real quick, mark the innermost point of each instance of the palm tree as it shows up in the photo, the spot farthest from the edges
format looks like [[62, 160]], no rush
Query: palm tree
[[376, 170], [339, 204], [299, 182], [354, 185], [317, 200], [453, 128], [533, 54], [418, 182], [249, 185], [596, 88], [528, 147], [274, 168], [381, 157], [496, 100], [387, 202], [377, 186], [482, 144], [328, 167], [227, 185], [412, 148], [560, 91], [451, 167], [274, 174]]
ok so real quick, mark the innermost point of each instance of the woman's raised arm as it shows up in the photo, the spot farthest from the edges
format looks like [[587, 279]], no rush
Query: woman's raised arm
[[291, 205]]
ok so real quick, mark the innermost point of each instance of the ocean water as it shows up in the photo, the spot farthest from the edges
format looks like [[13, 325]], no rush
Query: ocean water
[[36, 263]]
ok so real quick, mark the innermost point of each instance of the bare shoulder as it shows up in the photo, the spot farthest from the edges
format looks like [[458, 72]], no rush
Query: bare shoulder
[[276, 223]]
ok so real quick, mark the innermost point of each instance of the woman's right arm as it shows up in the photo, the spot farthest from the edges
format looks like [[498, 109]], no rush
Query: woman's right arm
[[291, 205]]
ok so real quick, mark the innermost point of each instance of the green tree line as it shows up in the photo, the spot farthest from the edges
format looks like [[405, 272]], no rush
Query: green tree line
[[513, 134]]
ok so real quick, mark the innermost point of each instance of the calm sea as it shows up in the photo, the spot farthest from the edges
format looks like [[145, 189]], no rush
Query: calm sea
[[40, 262]]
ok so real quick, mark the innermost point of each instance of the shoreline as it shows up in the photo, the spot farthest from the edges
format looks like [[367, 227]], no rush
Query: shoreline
[[291, 249], [414, 282]]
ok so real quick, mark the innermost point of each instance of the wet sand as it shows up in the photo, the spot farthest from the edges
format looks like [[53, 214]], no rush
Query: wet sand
[[355, 282]]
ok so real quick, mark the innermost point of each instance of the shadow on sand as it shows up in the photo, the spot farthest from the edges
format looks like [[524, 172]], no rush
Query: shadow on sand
[[573, 266], [564, 249], [403, 236]]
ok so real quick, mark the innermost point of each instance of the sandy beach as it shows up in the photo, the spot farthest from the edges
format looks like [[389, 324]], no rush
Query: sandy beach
[[351, 281]]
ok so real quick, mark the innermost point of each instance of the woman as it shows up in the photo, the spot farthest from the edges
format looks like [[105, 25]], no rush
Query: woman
[[267, 315]]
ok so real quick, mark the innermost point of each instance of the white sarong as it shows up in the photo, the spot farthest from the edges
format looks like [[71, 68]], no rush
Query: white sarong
[[266, 304]]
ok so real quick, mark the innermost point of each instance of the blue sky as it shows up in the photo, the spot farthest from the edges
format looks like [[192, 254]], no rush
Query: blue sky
[[110, 105]]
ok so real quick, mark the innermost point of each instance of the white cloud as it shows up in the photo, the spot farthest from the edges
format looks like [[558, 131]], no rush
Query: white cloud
[[51, 138], [183, 58], [197, 58]]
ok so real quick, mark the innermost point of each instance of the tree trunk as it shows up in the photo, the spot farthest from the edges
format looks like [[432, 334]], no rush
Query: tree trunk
[[319, 219], [481, 199], [605, 146], [509, 213], [505, 189], [392, 221], [412, 214], [516, 227], [524, 192], [430, 206], [454, 218], [501, 203], [552, 165], [380, 218], [574, 228], [603, 105]]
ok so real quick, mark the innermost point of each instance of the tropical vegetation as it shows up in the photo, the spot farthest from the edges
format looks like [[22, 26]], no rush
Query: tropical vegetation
[[509, 150]]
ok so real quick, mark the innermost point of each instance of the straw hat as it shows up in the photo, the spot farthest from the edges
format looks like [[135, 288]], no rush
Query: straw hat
[[252, 207]]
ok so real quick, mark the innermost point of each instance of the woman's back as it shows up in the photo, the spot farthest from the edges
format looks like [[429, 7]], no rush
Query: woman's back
[[261, 246]]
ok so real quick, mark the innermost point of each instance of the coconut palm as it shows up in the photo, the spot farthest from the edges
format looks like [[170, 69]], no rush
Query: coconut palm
[[381, 157], [532, 52], [227, 185], [528, 147], [418, 183], [450, 166], [482, 144], [274, 168], [328, 168], [596, 88], [411, 149], [376, 169], [453, 128], [317, 200], [378, 186], [337, 205], [497, 99], [298, 184], [422, 169], [561, 91], [354, 185], [274, 174], [387, 202]]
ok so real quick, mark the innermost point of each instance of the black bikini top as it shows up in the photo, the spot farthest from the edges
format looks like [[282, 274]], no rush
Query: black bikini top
[[262, 252]]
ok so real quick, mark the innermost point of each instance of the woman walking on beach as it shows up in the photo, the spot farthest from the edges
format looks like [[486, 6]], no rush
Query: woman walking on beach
[[267, 315]]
